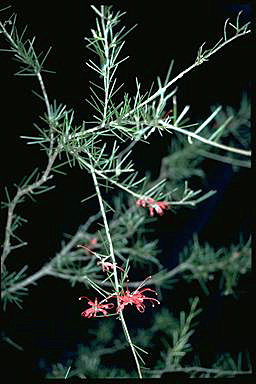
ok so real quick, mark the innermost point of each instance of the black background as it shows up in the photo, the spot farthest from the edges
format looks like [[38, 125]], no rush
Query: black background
[[49, 326]]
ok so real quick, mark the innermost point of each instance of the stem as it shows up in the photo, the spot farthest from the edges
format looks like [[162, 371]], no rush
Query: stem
[[138, 196], [180, 75], [48, 108], [106, 86], [206, 141], [24, 191], [162, 89], [131, 344], [29, 280], [95, 171], [47, 269], [111, 249], [106, 67], [223, 159], [201, 370], [47, 104], [20, 193]]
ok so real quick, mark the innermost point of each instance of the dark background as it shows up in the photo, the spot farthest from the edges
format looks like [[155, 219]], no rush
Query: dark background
[[49, 326]]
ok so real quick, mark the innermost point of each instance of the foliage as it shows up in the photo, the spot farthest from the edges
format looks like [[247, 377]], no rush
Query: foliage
[[103, 148], [175, 341]]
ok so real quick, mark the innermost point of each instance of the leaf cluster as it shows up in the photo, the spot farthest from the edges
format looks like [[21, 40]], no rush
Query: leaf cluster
[[8, 279], [180, 338], [23, 49], [203, 55], [106, 43], [203, 263]]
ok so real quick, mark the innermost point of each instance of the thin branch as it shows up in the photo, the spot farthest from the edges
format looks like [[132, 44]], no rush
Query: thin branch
[[212, 371], [183, 201], [44, 271], [180, 75], [47, 104], [224, 159], [111, 249], [206, 141], [102, 209], [20, 193], [48, 268]]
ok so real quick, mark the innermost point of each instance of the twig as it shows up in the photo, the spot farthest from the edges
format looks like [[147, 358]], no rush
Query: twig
[[48, 269], [20, 193], [206, 141], [216, 371]]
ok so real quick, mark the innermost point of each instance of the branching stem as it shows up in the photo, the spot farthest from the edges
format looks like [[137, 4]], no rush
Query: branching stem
[[180, 75], [20, 193], [48, 269]]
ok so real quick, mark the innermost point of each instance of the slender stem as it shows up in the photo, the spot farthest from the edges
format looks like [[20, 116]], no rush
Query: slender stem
[[206, 141], [181, 74], [218, 371], [224, 159], [138, 196], [29, 280], [111, 249], [47, 269], [29, 189], [101, 174], [107, 69], [47, 104], [163, 89], [20, 193], [131, 344], [48, 108], [84, 133]]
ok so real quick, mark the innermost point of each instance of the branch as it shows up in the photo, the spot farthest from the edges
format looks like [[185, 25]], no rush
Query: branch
[[201, 57], [48, 269], [111, 249], [206, 141], [18, 198], [193, 370]]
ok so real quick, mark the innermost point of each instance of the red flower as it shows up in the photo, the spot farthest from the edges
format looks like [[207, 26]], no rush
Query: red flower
[[95, 308], [137, 297], [153, 205]]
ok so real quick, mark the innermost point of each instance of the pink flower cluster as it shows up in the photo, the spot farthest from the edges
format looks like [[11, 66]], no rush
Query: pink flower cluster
[[158, 206], [95, 307], [126, 297], [137, 297]]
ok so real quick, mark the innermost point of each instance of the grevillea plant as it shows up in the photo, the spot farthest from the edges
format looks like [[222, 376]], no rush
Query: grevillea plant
[[102, 260]]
